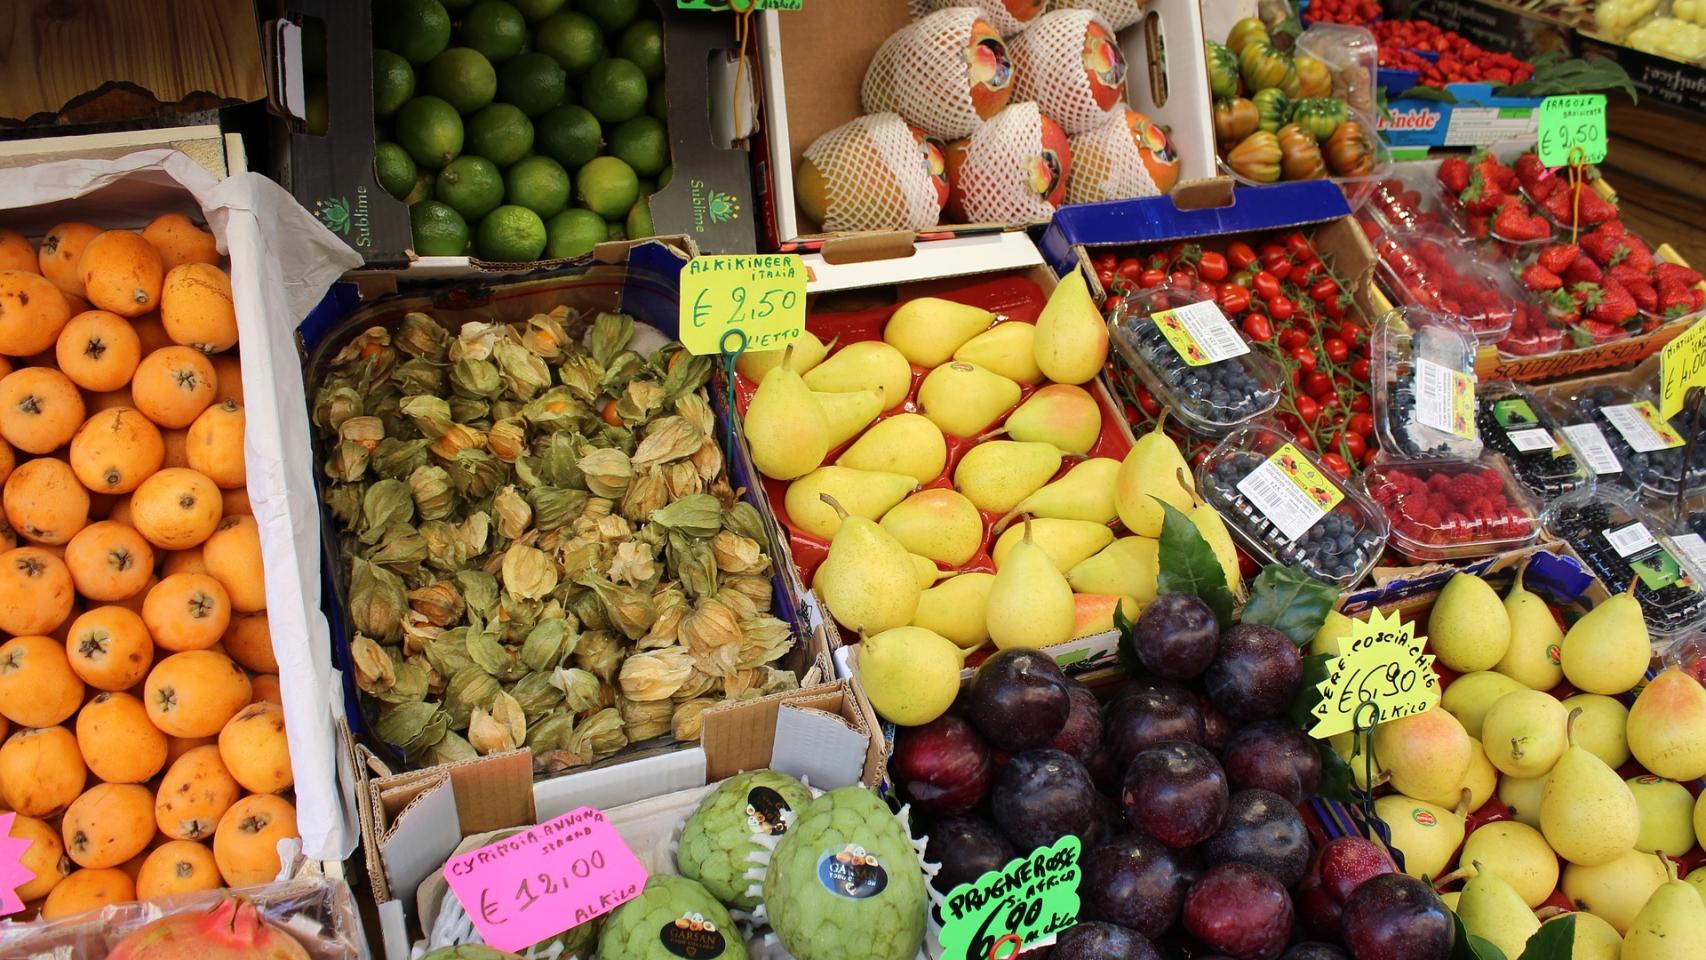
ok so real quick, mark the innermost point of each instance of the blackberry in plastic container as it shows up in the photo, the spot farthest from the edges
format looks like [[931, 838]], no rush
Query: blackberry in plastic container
[[1223, 391], [1403, 340], [1209, 398], [1505, 415], [1583, 523]]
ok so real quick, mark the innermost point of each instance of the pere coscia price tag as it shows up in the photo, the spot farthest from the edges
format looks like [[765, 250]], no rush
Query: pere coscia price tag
[[1383, 661], [1025, 903], [546, 879], [1682, 364], [759, 296], [1568, 122]]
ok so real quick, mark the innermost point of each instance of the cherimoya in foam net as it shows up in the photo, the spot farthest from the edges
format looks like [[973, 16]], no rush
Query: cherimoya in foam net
[[1129, 156], [946, 73], [873, 173], [1007, 16], [1012, 170], [1071, 65]]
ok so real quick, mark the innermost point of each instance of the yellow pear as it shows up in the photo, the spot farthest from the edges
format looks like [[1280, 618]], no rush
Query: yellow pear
[[1697, 879], [927, 571], [938, 523], [1061, 414], [1518, 854], [784, 427], [1151, 470], [910, 674], [1491, 909], [1006, 348], [1030, 603], [1065, 542], [1607, 650], [1601, 727], [1426, 755], [861, 493], [1094, 613], [1532, 658], [1587, 813], [1086, 492], [1521, 796], [956, 608], [1208, 522], [999, 474], [1468, 629], [1667, 815], [1126, 567], [964, 399], [1667, 726], [1594, 939], [863, 366], [1335, 629], [904, 443], [1616, 891], [809, 351], [867, 580], [1525, 733], [1482, 780], [928, 330], [1072, 338], [848, 413], [1426, 833], [1672, 925], [1700, 822], [1469, 697]]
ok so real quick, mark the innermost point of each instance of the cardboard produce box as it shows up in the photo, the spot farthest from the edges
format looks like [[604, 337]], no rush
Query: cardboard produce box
[[1475, 118]]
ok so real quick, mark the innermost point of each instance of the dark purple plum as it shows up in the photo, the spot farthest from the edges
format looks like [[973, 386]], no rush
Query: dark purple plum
[[1216, 725], [967, 848], [1146, 717], [1273, 755], [1257, 673], [1397, 917], [1176, 793], [1106, 774], [1134, 881], [1240, 910], [942, 767], [1341, 866], [1176, 636], [1315, 950], [1265, 831], [1103, 941], [1020, 700], [1043, 795], [1082, 734]]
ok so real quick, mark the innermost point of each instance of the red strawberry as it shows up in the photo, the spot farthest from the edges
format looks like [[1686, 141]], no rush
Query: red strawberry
[[1663, 271], [1638, 255], [1625, 274], [1601, 247], [1612, 227], [1583, 270], [1558, 256], [1454, 174], [1595, 208], [1561, 307], [1537, 277], [1645, 296], [1482, 195], [1603, 332], [1558, 205], [1542, 189], [1515, 223], [1529, 169], [1494, 171], [1615, 305], [1677, 298]]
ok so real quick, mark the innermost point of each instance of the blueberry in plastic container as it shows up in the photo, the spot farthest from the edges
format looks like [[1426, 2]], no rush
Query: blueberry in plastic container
[[1220, 392], [1337, 547]]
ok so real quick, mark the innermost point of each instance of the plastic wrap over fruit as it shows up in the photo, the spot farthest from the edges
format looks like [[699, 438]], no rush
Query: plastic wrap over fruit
[[1012, 170], [873, 173], [1007, 16], [1129, 156], [1070, 64], [1119, 13], [718, 842], [946, 73]]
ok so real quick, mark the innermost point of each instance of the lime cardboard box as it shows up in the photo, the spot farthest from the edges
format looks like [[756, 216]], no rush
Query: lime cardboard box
[[709, 198]]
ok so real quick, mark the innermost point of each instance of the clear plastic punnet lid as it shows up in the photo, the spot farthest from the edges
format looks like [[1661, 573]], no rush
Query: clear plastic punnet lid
[[1515, 425], [1653, 451], [1192, 358], [1434, 270], [1424, 386], [1629, 547], [1283, 506], [1448, 509]]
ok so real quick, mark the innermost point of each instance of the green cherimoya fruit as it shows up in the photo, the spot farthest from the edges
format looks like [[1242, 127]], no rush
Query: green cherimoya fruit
[[672, 917], [717, 842], [844, 882]]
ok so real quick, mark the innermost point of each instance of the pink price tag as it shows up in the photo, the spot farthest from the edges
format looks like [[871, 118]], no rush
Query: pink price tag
[[13, 873], [546, 879]]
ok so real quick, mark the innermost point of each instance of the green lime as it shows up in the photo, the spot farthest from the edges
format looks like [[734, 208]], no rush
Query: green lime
[[422, 188], [495, 28], [538, 183], [607, 187], [572, 39], [439, 230], [531, 81], [648, 186], [393, 82], [501, 133], [461, 77], [658, 103], [537, 10], [614, 90], [418, 30], [573, 233], [612, 15], [666, 176], [569, 135], [510, 235], [471, 185], [615, 230], [642, 43], [395, 169], [431, 130], [639, 223], [641, 143]]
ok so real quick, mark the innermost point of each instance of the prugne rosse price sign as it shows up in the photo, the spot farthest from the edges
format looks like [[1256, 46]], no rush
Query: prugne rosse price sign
[[1682, 364], [546, 879], [1024, 904], [1568, 122], [1383, 661], [761, 297]]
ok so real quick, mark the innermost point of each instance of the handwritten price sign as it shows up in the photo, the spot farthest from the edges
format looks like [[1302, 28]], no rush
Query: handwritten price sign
[[1383, 662], [1682, 364], [1029, 901], [760, 296], [546, 879], [1569, 122]]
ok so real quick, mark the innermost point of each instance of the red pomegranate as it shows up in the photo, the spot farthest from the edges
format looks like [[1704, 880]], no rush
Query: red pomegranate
[[231, 930]]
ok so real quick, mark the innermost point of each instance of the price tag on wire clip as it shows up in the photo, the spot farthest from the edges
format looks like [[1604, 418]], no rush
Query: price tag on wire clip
[[758, 299], [1568, 122]]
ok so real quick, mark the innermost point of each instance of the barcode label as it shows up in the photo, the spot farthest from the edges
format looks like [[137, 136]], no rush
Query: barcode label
[[1630, 540], [1691, 550], [1288, 490], [1587, 443], [1528, 441], [1445, 399], [1637, 431], [1200, 333]]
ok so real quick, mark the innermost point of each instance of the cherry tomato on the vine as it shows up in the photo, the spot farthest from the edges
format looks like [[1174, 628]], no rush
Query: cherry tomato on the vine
[[1355, 445], [1360, 424], [1112, 306], [1361, 403], [1257, 328], [1239, 254], [1130, 268], [1336, 349], [1233, 299], [1304, 440], [1359, 369], [1147, 401], [1317, 384], [1324, 289], [1212, 266], [1280, 307], [1106, 261], [1265, 284], [1305, 358], [1336, 464], [1351, 332], [1183, 279], [1293, 338], [1307, 409], [1297, 244], [1333, 308], [1151, 278]]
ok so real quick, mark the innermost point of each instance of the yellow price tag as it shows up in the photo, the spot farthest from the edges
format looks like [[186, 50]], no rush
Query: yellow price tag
[[758, 297], [1682, 364], [1382, 661]]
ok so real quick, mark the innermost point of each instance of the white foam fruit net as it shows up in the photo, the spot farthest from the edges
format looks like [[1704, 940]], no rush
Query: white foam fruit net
[[1108, 165], [1119, 13], [995, 11], [1054, 61], [1003, 161], [876, 176], [925, 72]]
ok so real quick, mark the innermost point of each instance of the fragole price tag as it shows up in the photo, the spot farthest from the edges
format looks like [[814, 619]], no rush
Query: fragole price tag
[[546, 879], [1383, 661], [759, 296], [1682, 364], [1030, 900], [1568, 122]]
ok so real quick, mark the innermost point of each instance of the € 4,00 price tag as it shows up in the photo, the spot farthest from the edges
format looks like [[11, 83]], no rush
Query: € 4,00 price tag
[[1382, 661], [759, 296], [1024, 904], [1568, 122], [546, 879], [1681, 365]]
